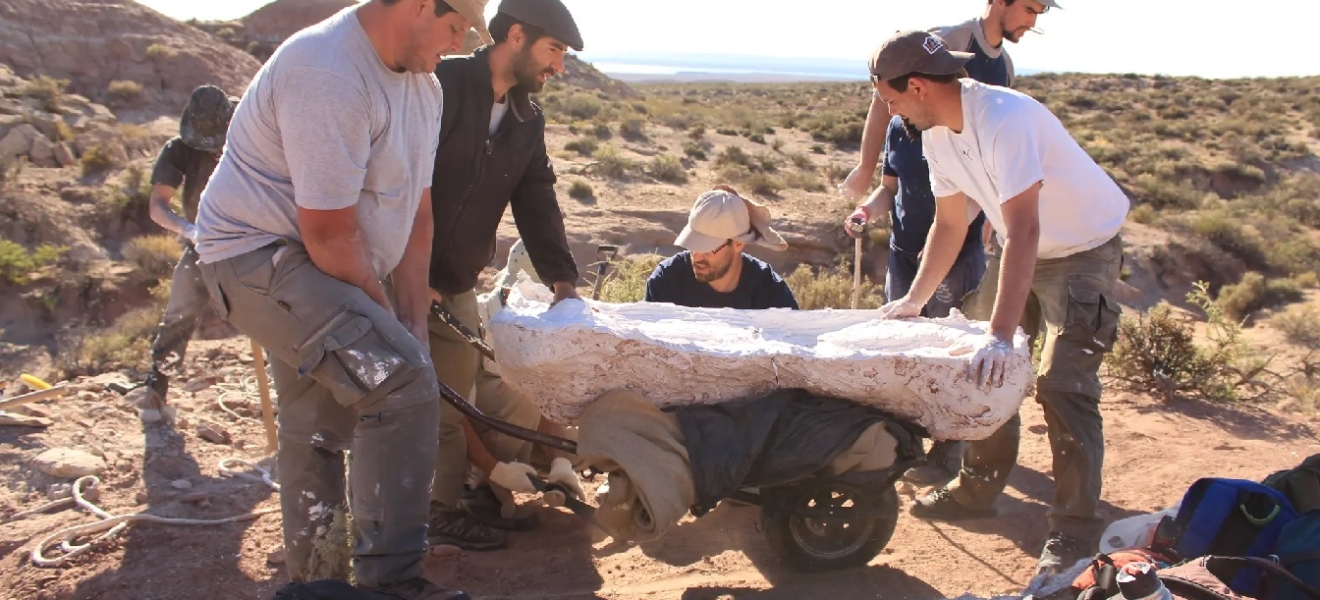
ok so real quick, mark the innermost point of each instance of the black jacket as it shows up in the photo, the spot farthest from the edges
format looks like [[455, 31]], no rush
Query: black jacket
[[478, 175]]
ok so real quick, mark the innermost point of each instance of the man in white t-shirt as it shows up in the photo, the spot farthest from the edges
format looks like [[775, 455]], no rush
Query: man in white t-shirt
[[1057, 216]]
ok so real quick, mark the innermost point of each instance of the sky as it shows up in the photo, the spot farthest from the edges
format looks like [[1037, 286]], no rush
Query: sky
[[1170, 37]]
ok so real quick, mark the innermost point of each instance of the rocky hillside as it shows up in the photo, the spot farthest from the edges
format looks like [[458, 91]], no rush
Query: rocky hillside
[[280, 19], [97, 45]]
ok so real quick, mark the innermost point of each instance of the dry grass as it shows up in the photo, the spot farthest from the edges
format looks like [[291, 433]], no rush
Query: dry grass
[[153, 256], [17, 264], [831, 288], [626, 281], [1300, 324]]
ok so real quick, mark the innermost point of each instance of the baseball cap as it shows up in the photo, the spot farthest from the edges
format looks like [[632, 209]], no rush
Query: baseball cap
[[550, 16], [475, 13], [721, 215], [206, 118], [915, 52]]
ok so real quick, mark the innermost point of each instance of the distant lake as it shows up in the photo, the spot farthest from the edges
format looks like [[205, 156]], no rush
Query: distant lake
[[680, 67]]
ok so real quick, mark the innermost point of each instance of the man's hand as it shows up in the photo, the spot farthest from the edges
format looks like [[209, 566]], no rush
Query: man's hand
[[512, 476], [987, 234], [563, 291], [189, 233], [902, 308], [561, 472], [854, 186], [420, 332], [856, 222], [989, 361]]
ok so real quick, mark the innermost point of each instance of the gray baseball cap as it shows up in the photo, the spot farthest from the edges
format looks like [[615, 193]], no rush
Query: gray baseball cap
[[915, 52], [549, 15]]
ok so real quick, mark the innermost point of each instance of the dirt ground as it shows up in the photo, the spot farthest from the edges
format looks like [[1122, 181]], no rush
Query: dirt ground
[[1154, 452]]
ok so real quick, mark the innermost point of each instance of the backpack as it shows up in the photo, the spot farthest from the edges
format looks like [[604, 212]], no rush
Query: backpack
[[1098, 581], [1299, 552], [1235, 518], [1301, 484]]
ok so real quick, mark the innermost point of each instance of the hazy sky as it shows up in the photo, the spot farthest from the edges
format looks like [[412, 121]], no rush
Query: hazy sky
[[1175, 37]]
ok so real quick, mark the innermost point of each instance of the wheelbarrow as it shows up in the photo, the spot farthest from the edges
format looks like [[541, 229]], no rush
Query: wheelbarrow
[[814, 524]]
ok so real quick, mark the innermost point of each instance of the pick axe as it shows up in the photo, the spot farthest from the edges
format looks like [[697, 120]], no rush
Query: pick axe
[[858, 227], [604, 255]]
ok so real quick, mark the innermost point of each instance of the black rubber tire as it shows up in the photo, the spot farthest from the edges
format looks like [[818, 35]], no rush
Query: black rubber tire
[[791, 537]]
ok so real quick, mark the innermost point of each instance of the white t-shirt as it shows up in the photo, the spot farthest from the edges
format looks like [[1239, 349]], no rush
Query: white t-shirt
[[497, 114], [1009, 142]]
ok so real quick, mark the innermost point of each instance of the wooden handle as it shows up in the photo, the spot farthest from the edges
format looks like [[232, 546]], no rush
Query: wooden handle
[[45, 394], [267, 410], [857, 272]]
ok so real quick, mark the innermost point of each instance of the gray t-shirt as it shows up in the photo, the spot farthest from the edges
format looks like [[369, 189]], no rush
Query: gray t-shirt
[[324, 125]]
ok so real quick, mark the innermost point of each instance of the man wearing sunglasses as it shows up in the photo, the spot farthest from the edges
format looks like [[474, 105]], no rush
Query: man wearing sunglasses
[[904, 190], [714, 272], [1057, 215]]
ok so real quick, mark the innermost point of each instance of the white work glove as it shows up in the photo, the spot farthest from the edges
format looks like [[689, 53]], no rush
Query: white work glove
[[562, 473], [189, 233], [512, 476], [855, 185], [988, 362]]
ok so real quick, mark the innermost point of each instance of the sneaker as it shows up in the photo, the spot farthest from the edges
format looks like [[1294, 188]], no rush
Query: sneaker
[[940, 505], [484, 507], [458, 528], [1061, 553], [417, 589]]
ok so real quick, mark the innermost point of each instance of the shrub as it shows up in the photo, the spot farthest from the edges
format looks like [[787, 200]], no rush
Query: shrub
[[47, 90], [161, 51], [133, 193], [126, 343], [695, 150], [1254, 293], [697, 131], [733, 155], [153, 255], [801, 161], [611, 162], [809, 182], [124, 92], [16, 263], [626, 281], [1301, 325], [669, 169], [582, 106], [584, 146], [763, 184], [633, 129], [602, 131], [97, 159], [580, 190], [831, 288]]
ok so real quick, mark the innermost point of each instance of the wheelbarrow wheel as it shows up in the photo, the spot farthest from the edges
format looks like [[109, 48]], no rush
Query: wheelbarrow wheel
[[830, 543]]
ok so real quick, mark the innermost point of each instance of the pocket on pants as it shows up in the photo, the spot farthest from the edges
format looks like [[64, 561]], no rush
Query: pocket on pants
[[351, 358], [1091, 321], [217, 297]]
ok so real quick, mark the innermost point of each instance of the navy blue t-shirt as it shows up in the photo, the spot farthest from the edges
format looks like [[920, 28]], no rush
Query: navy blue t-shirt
[[759, 286], [984, 69], [914, 206]]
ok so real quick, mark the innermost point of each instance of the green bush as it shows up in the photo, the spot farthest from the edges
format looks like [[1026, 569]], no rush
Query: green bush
[[584, 146], [46, 90], [97, 159], [626, 280], [695, 150], [831, 288], [16, 263], [153, 255], [668, 169], [1254, 293], [1301, 325], [633, 129], [610, 162], [124, 92]]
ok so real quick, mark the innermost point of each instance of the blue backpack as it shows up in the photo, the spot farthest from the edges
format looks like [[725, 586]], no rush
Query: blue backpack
[[1232, 517], [1299, 552]]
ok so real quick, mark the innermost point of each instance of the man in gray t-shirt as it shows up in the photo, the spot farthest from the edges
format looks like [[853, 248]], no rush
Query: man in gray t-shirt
[[314, 238]]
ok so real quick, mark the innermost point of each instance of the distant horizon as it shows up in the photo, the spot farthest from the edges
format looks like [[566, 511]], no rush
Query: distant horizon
[[1086, 36]]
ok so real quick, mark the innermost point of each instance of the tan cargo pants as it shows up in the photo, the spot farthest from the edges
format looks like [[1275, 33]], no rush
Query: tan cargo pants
[[1070, 305], [348, 376]]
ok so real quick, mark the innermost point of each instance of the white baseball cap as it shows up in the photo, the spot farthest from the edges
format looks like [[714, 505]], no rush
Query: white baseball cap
[[721, 215]]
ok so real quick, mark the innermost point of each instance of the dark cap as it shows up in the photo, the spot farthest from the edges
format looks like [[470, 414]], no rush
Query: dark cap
[[915, 52], [206, 118], [549, 15]]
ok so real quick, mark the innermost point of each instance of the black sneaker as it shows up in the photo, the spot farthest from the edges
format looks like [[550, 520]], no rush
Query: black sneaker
[[458, 528], [940, 505], [417, 589], [1061, 553], [485, 507]]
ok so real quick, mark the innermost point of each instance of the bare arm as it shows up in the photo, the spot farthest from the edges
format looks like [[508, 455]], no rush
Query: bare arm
[[942, 246], [882, 199], [1021, 241], [337, 245], [873, 135], [410, 278], [478, 454], [160, 211]]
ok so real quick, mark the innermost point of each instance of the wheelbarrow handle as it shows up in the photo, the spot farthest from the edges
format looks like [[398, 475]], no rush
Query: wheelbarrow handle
[[509, 429]]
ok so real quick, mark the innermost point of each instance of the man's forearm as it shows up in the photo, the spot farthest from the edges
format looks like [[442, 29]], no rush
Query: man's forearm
[[1016, 270], [411, 288], [942, 247], [880, 201], [163, 215], [873, 135], [345, 258]]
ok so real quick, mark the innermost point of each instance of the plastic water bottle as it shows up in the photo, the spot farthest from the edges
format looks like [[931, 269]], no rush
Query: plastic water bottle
[[1138, 581]]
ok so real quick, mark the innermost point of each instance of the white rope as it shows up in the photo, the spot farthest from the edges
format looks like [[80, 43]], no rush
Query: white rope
[[111, 525]]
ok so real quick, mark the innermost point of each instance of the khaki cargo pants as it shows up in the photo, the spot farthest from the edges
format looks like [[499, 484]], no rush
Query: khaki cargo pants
[[1070, 304], [187, 305], [458, 365], [349, 377]]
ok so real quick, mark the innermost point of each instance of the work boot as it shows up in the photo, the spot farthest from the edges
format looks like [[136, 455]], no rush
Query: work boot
[[1061, 553], [155, 389], [417, 589], [940, 505], [942, 464], [459, 528], [485, 507]]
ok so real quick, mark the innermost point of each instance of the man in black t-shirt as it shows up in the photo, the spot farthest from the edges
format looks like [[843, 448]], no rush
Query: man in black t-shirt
[[188, 160], [714, 272]]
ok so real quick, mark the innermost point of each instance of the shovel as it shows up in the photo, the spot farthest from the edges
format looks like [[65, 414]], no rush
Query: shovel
[[604, 255], [858, 227]]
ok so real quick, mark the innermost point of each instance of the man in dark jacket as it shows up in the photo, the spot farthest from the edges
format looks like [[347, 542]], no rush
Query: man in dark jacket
[[491, 156]]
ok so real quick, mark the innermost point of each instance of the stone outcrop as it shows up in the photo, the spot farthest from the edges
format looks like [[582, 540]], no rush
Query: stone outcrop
[[91, 43]]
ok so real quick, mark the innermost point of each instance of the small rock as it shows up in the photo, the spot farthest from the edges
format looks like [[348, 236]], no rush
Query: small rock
[[213, 433], [69, 463], [183, 423], [32, 410], [181, 484], [141, 497], [240, 443], [88, 396], [199, 384], [139, 397], [151, 415], [275, 557], [195, 498], [123, 466], [64, 155], [60, 491], [445, 551]]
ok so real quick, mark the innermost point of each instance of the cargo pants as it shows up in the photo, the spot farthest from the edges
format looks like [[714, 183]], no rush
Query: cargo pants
[[187, 303], [1071, 305], [349, 377]]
